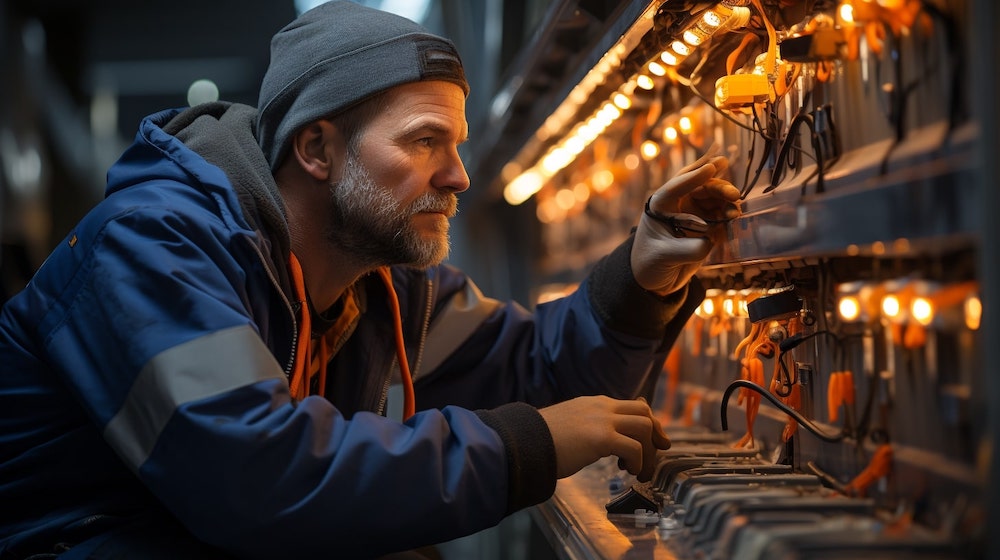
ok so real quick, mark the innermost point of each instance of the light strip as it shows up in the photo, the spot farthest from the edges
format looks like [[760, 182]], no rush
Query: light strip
[[720, 18]]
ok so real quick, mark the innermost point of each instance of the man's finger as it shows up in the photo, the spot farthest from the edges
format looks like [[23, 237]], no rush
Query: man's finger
[[717, 188], [629, 452], [711, 153], [674, 189], [660, 438], [721, 164]]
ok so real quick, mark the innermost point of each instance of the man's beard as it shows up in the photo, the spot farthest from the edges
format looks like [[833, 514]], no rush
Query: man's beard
[[375, 230]]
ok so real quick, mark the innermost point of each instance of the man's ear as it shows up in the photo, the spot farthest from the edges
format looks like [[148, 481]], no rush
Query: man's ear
[[319, 149]]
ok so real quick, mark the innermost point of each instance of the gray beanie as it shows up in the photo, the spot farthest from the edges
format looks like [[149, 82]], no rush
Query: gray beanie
[[337, 55]]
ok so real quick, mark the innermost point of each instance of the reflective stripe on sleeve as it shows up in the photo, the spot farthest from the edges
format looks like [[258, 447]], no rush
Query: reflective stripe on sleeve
[[455, 324], [206, 366]]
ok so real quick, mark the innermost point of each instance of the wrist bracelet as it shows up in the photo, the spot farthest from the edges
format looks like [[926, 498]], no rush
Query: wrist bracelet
[[681, 227], [670, 221]]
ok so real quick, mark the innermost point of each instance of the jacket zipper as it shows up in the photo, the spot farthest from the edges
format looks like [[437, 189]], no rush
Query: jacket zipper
[[426, 327], [292, 308], [385, 388]]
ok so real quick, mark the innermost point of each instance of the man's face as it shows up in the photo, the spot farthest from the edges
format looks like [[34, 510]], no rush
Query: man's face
[[393, 200]]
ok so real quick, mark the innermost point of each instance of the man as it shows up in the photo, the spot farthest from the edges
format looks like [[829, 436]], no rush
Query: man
[[200, 368]]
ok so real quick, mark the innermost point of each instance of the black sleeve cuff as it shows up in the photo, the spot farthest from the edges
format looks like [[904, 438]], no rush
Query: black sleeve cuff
[[531, 455], [623, 304]]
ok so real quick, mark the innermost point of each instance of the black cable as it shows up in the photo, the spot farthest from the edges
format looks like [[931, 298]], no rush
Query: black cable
[[802, 420], [788, 380], [826, 131], [861, 430], [786, 146], [746, 172], [897, 104], [784, 149], [794, 341], [899, 95], [769, 141], [954, 47]]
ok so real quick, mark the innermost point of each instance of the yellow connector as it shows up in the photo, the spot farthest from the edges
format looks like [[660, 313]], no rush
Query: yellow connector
[[741, 90]]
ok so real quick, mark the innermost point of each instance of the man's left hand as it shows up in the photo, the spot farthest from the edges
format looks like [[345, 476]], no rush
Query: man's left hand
[[684, 218]]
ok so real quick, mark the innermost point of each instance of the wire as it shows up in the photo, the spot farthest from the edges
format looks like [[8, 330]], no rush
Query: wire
[[864, 423], [770, 60], [768, 146], [790, 138], [802, 420], [955, 109], [746, 172], [899, 94]]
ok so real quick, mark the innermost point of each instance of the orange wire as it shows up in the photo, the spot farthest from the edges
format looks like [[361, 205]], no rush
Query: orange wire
[[770, 61], [735, 55], [880, 465], [409, 400]]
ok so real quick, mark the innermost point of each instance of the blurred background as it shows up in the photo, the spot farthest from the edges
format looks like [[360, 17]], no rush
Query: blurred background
[[79, 75]]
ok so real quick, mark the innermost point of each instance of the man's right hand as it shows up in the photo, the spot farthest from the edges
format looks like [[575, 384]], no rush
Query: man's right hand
[[586, 429]]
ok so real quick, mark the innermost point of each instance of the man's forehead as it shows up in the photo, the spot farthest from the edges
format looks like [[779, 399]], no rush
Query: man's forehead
[[433, 105]]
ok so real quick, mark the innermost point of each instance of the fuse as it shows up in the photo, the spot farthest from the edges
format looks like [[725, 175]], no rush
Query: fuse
[[740, 90]]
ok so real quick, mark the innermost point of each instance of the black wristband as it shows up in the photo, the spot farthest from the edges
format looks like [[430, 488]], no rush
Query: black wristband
[[680, 226]]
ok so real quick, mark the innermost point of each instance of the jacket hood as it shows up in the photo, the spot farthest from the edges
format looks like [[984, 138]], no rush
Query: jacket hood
[[223, 134], [213, 147]]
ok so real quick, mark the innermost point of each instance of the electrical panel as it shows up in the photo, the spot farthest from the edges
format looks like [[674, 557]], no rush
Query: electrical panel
[[835, 366]]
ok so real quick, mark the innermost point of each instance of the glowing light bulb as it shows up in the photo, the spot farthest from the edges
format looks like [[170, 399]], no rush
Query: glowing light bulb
[[611, 110], [706, 309], [890, 306], [922, 311], [632, 162], [680, 48], [973, 308], [575, 144], [588, 132], [622, 101], [645, 82], [729, 305], [565, 199], [712, 19], [694, 36], [604, 119], [846, 13], [650, 149], [602, 180], [656, 69], [685, 124], [670, 134], [669, 58], [523, 187], [849, 308]]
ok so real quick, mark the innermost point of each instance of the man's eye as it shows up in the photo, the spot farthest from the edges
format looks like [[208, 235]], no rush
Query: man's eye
[[426, 141]]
